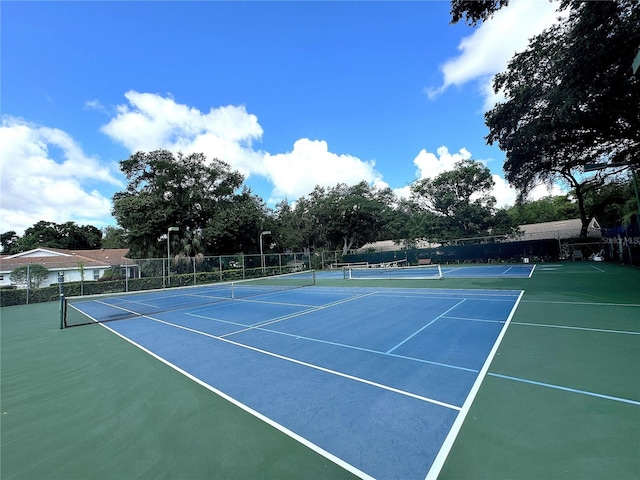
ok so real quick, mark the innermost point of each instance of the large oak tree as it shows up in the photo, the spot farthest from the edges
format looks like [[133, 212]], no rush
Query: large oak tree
[[571, 101]]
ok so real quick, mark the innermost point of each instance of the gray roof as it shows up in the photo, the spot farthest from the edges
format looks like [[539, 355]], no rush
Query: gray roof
[[561, 229]]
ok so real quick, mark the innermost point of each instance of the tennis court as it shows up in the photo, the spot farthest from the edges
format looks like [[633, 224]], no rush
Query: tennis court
[[469, 377]]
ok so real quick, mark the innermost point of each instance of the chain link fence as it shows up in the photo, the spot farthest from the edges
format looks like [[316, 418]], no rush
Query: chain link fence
[[156, 273]]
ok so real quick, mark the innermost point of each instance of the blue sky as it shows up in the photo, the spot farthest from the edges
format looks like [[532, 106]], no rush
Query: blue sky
[[292, 94]]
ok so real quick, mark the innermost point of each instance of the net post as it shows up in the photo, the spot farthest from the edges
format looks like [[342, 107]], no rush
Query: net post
[[440, 276], [62, 309], [61, 293]]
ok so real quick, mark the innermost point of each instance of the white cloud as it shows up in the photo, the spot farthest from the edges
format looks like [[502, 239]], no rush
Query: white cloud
[[488, 50], [151, 121], [430, 166], [46, 176], [296, 173]]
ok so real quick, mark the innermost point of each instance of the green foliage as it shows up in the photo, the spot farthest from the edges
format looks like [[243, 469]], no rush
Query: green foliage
[[8, 242], [341, 217], [460, 200], [44, 234], [32, 275], [547, 209], [571, 101], [164, 190], [19, 296], [114, 237], [236, 227]]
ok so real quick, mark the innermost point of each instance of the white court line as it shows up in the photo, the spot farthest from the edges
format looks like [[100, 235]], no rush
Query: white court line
[[590, 304], [507, 270], [438, 463], [310, 365], [298, 314], [603, 330], [425, 326], [566, 389], [599, 269], [474, 319], [312, 446]]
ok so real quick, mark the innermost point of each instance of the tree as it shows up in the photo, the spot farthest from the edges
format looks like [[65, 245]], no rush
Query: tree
[[66, 235], [460, 200], [237, 225], [163, 190], [32, 275], [547, 209], [8, 242], [409, 221], [114, 237], [350, 216], [571, 101], [289, 230]]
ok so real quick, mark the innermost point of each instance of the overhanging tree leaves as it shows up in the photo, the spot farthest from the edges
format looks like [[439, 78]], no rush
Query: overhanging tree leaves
[[163, 190], [571, 101], [475, 11]]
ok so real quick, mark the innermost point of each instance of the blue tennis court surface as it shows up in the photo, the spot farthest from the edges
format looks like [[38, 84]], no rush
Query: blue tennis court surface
[[374, 379], [488, 271]]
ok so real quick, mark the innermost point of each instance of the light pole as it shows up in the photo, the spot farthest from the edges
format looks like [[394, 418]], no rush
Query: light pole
[[169, 230], [266, 232]]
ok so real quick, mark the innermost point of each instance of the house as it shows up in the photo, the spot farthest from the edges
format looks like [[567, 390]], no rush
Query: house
[[73, 265]]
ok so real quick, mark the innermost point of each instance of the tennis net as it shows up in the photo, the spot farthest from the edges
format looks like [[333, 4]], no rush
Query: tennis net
[[104, 308], [383, 272]]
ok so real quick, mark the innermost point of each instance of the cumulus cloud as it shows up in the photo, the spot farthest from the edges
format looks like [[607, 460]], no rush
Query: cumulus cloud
[[47, 176], [228, 133], [488, 50], [430, 165], [310, 163], [150, 122]]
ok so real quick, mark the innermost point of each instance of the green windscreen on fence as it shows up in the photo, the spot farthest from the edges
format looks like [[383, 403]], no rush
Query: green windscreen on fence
[[105, 308]]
